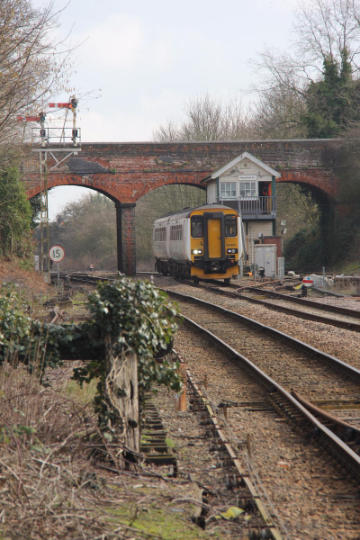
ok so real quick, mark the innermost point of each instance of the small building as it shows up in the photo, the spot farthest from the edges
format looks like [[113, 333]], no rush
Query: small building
[[248, 185]]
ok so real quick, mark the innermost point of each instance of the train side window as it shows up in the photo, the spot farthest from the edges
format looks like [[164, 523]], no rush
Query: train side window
[[160, 234], [230, 226], [176, 232], [197, 228]]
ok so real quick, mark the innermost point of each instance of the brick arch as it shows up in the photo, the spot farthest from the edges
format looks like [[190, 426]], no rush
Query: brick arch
[[317, 181], [171, 182], [329, 211], [117, 187]]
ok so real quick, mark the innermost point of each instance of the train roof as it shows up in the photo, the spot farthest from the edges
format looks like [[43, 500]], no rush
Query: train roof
[[187, 211]]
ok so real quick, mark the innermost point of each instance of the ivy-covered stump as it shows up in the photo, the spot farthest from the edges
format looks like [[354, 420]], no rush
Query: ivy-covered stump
[[130, 329]]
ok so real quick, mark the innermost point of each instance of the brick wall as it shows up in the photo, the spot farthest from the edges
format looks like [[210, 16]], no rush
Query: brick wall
[[127, 171]]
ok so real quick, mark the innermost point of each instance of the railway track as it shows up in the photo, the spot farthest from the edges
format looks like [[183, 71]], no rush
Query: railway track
[[294, 469], [229, 480], [274, 356], [229, 472], [338, 316]]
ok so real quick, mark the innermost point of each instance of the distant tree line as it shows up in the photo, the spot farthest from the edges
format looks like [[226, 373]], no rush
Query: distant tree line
[[87, 231]]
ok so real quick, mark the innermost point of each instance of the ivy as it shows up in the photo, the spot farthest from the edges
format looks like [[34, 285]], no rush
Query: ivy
[[15, 216], [332, 102], [24, 340], [137, 317]]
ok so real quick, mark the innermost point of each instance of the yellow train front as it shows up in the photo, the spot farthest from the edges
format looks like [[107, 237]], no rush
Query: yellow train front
[[199, 243]]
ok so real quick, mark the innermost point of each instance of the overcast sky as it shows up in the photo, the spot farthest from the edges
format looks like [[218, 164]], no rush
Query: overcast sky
[[137, 63]]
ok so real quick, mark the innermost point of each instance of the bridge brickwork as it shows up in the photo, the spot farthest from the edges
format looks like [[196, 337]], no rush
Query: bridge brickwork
[[125, 172]]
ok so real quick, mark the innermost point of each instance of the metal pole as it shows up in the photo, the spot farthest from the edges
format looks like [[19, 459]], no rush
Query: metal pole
[[44, 215], [41, 262]]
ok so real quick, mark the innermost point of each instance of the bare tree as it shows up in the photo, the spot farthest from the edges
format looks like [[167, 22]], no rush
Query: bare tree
[[208, 120], [29, 65], [278, 113], [325, 30]]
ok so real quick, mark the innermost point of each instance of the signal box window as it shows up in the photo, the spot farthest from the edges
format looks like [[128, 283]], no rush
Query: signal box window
[[227, 190], [248, 190], [230, 226], [197, 228]]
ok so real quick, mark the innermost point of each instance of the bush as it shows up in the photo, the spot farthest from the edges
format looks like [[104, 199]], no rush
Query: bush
[[137, 317]]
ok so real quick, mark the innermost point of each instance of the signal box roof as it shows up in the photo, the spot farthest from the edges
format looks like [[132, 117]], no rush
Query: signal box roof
[[231, 164]]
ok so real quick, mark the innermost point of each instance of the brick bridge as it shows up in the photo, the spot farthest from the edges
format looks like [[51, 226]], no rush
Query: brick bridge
[[127, 171]]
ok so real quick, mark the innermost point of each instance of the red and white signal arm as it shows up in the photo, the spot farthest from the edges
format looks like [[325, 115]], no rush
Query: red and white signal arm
[[56, 253], [307, 281]]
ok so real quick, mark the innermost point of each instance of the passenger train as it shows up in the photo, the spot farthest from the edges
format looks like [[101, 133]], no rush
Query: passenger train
[[199, 243]]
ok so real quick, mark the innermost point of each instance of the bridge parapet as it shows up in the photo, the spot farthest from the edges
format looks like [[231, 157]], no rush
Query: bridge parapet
[[126, 171]]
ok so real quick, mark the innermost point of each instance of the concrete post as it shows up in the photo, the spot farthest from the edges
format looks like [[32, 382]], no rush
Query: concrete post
[[126, 240]]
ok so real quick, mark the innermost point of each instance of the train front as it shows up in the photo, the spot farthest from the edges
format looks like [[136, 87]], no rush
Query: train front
[[215, 242]]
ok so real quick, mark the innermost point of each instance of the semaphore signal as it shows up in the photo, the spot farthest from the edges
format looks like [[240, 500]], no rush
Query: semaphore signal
[[52, 141], [72, 104]]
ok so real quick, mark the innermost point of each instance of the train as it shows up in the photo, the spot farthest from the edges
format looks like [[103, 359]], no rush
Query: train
[[199, 243]]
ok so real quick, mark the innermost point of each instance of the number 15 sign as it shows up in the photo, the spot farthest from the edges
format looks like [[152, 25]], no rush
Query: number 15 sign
[[56, 253]]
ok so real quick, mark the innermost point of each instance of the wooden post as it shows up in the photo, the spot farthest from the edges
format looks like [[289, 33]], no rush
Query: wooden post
[[122, 391], [182, 401]]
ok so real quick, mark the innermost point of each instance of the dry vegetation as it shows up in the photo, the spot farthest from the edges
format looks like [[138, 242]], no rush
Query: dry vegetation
[[28, 280], [59, 478], [44, 482], [54, 486]]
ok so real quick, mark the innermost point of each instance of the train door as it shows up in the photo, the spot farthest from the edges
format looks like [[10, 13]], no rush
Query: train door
[[214, 235]]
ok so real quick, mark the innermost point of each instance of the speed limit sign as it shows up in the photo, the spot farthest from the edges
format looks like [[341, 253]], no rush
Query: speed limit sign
[[56, 253]]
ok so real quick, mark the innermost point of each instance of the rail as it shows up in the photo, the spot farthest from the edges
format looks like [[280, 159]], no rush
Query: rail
[[338, 448]]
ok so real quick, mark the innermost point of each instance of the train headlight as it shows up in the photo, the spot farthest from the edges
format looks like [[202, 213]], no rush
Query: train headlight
[[232, 250], [196, 251]]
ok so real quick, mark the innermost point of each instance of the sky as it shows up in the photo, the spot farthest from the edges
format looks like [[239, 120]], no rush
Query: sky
[[135, 64]]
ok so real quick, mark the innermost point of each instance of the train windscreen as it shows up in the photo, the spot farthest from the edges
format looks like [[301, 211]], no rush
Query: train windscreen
[[197, 226], [230, 226]]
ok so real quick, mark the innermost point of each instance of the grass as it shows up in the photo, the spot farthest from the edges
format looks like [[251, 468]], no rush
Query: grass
[[352, 268], [167, 523], [83, 395]]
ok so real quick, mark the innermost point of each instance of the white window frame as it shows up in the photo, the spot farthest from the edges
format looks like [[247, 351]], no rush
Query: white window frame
[[253, 190], [224, 194]]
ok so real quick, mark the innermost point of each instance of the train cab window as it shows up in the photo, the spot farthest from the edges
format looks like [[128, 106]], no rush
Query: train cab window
[[197, 227], [230, 226]]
